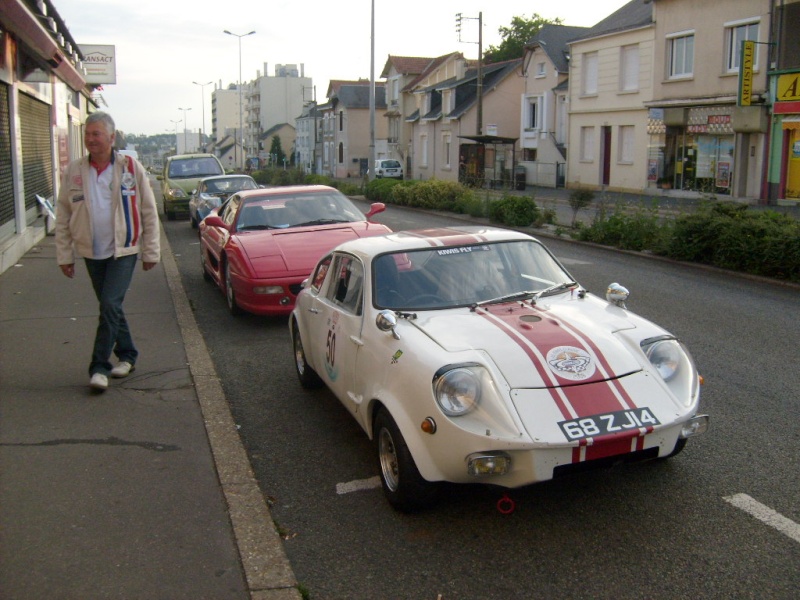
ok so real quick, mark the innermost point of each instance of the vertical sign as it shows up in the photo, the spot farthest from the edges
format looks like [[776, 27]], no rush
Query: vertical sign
[[746, 72]]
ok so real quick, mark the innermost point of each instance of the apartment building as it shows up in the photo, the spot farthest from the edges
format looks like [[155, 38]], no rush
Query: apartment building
[[610, 84], [544, 118], [701, 138]]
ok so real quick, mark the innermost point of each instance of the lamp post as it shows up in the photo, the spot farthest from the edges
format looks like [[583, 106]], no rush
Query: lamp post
[[185, 145], [202, 108], [176, 133], [241, 132]]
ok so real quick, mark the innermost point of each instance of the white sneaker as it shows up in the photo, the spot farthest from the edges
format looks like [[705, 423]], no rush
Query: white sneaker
[[123, 369], [99, 382]]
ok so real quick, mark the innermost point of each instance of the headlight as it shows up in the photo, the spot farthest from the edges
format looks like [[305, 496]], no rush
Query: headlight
[[177, 192], [457, 391], [675, 365]]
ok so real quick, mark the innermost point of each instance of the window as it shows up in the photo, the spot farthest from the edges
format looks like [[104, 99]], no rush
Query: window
[[534, 117], [446, 149], [540, 70], [589, 79], [341, 152], [341, 120], [629, 68], [681, 55], [347, 284], [423, 146], [626, 144], [587, 144], [735, 35]]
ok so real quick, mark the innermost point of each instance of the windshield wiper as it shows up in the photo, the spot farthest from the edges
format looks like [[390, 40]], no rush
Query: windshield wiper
[[322, 222], [524, 295], [256, 227]]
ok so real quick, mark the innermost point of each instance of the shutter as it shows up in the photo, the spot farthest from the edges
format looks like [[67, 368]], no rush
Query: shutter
[[6, 174], [37, 149]]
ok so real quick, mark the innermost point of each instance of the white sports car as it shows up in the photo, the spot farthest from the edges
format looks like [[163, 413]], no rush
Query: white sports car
[[471, 355]]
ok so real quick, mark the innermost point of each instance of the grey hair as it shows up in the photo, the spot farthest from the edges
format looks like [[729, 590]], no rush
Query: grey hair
[[104, 118]]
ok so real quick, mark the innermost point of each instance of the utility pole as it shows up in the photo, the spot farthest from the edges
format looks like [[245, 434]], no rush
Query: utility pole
[[479, 90]]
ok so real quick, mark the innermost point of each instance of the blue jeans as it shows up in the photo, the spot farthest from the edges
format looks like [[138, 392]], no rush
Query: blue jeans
[[111, 278]]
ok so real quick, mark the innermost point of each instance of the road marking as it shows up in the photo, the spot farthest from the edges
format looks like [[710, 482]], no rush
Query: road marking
[[765, 514], [358, 485], [573, 261]]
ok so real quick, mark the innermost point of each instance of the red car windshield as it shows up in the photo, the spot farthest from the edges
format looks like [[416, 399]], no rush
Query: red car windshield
[[296, 210]]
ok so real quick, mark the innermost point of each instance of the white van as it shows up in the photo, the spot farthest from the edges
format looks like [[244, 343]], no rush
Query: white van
[[388, 167]]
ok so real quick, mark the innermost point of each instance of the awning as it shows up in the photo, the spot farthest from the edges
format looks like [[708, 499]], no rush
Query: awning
[[791, 122]]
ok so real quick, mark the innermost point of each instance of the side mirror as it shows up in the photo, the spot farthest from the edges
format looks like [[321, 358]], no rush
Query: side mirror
[[387, 321], [214, 221], [617, 294], [375, 208], [160, 177]]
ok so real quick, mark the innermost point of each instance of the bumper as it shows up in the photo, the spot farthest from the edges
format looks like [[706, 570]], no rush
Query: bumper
[[251, 300]]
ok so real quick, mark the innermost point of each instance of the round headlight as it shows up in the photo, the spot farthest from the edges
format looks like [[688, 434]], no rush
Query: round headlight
[[666, 356], [457, 391]]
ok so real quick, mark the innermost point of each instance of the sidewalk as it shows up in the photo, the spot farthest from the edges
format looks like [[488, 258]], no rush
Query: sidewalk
[[141, 492]]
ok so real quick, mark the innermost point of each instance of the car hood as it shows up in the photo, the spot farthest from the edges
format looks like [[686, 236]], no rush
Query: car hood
[[298, 250], [569, 342]]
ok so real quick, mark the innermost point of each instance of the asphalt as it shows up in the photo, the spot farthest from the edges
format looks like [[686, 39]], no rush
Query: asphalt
[[141, 492]]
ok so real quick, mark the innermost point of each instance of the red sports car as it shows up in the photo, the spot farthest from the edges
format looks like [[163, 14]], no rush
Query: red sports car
[[260, 245]]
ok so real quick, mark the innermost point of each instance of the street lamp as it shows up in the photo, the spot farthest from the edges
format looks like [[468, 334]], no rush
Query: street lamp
[[185, 145], [241, 133], [203, 108], [176, 133]]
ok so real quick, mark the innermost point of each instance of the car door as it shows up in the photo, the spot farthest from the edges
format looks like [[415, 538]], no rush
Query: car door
[[215, 238], [339, 318]]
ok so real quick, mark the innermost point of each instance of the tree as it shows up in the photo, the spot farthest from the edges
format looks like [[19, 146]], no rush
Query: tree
[[515, 37], [277, 151]]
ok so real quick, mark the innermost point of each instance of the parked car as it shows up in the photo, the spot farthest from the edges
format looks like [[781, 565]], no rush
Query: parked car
[[180, 176], [388, 168], [212, 191], [472, 355], [260, 245]]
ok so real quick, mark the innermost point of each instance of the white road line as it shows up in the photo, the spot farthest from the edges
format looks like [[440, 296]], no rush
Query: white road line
[[358, 485], [765, 514]]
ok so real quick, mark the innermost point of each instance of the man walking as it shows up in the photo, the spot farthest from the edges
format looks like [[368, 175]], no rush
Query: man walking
[[107, 215]]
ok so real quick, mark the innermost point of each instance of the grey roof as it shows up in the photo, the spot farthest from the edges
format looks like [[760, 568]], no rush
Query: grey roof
[[357, 96], [553, 39], [493, 75], [635, 14]]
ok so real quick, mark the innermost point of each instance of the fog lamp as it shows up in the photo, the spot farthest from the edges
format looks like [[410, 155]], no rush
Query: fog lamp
[[695, 426], [488, 464]]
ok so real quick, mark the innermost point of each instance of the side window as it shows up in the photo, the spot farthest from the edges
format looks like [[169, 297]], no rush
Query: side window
[[229, 213], [347, 283], [319, 275]]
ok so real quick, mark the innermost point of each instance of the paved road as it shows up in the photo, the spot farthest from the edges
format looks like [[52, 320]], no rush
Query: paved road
[[657, 530]]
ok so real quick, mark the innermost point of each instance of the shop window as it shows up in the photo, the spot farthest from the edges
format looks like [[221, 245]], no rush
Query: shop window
[[681, 55]]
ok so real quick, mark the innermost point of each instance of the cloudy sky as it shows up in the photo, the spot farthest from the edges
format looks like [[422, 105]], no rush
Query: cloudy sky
[[163, 46]]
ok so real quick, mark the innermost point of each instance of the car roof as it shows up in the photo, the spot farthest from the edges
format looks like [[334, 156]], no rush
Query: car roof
[[231, 176], [183, 156], [284, 190], [442, 237]]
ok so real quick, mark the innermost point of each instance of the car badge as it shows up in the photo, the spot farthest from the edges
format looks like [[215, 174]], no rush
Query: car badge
[[570, 363]]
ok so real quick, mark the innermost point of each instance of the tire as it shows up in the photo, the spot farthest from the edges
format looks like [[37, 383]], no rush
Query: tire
[[308, 377], [230, 296], [404, 487]]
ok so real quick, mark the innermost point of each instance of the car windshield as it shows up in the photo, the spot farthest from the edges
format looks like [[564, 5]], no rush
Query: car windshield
[[285, 211], [230, 185], [203, 166], [439, 278]]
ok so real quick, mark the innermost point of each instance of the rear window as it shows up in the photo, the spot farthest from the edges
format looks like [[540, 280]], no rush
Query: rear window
[[194, 167], [390, 164]]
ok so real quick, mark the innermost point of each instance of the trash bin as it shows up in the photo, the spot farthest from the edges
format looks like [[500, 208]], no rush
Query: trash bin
[[519, 177]]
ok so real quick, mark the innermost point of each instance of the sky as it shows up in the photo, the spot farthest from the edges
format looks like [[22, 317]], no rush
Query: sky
[[163, 46]]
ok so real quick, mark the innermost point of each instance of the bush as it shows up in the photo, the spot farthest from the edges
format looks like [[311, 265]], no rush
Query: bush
[[515, 211], [579, 199], [639, 230], [380, 190]]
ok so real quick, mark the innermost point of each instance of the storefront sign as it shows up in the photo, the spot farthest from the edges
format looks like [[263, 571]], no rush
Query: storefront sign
[[723, 175], [746, 72], [788, 87], [100, 64]]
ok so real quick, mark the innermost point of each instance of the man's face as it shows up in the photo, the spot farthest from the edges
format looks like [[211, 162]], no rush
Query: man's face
[[97, 139]]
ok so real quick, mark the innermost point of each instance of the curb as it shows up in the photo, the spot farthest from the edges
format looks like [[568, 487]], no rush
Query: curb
[[267, 570]]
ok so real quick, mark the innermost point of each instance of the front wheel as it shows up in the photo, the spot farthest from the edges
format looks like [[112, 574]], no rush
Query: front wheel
[[404, 487], [308, 377], [230, 295]]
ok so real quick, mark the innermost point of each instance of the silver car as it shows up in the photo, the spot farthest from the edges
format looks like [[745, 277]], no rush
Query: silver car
[[213, 191]]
